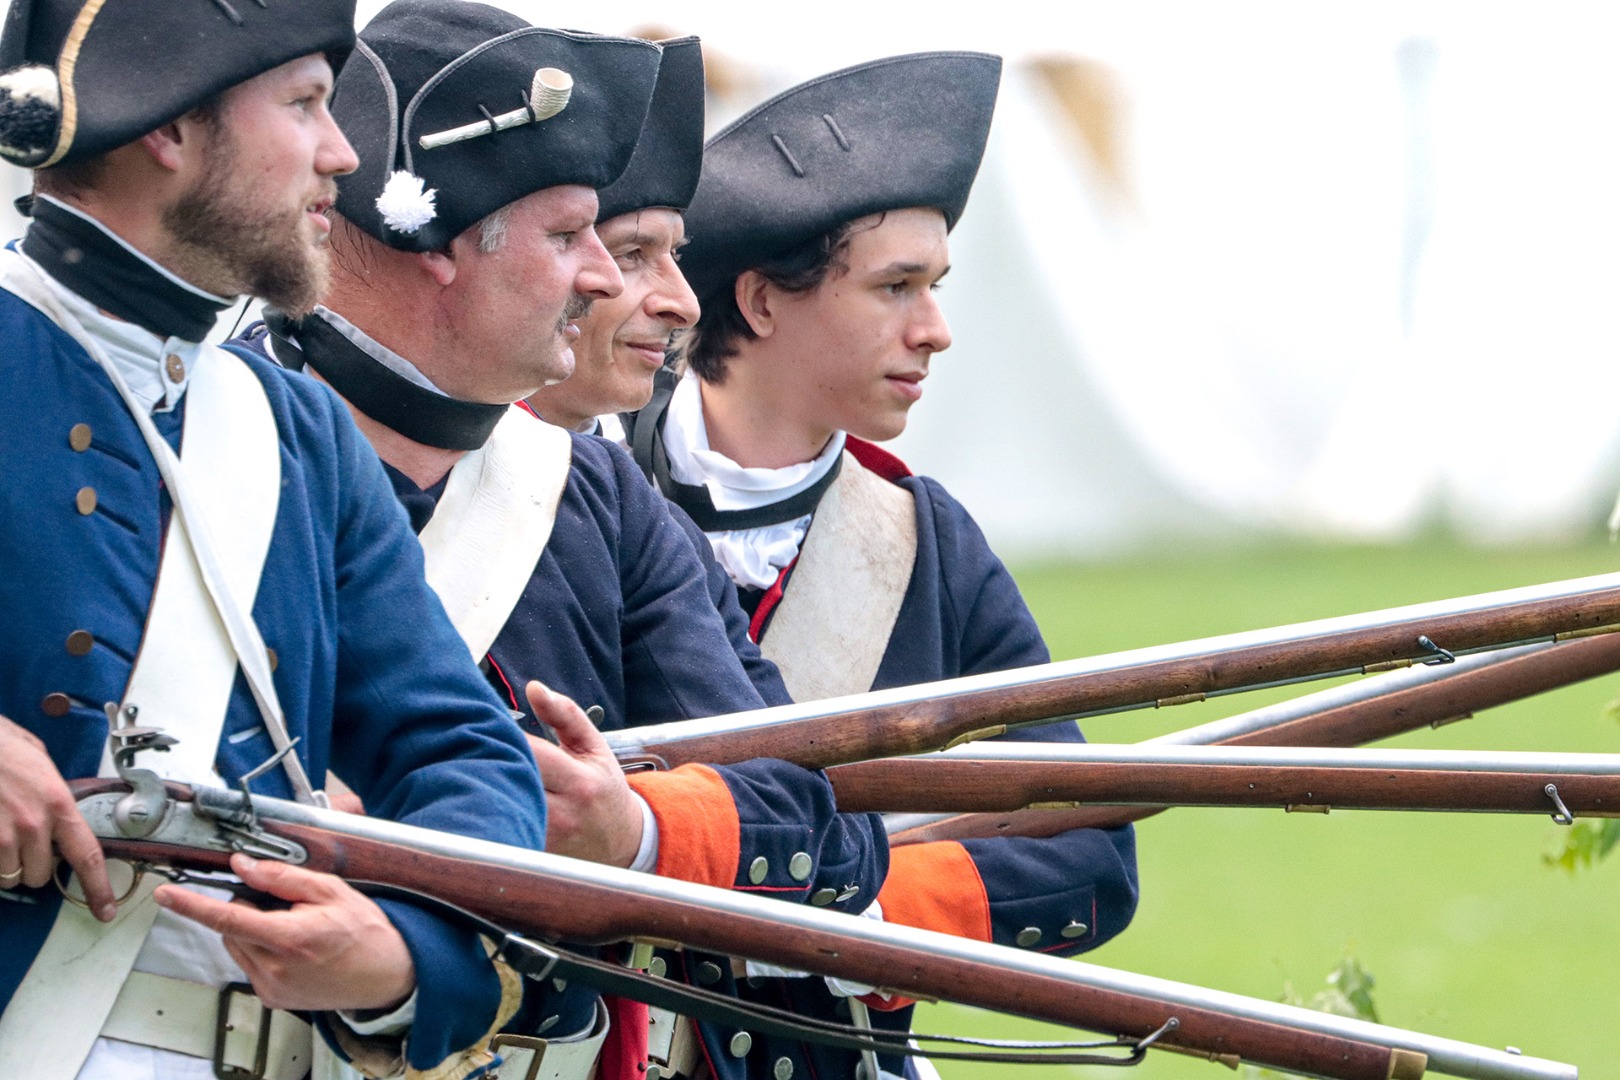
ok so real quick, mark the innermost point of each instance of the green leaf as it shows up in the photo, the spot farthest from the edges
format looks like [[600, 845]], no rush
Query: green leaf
[[1348, 993]]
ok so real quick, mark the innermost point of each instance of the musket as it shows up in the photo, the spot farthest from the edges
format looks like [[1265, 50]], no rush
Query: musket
[[1014, 775], [152, 824], [932, 716], [1348, 715]]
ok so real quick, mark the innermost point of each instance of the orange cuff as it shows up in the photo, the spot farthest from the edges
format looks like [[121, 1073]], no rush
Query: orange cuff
[[933, 886], [936, 886], [699, 836]]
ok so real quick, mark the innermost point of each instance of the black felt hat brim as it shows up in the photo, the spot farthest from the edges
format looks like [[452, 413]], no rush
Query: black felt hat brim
[[428, 65], [127, 69], [668, 158], [907, 131]]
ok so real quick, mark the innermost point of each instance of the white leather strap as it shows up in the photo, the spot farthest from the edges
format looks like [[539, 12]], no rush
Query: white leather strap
[[832, 627], [491, 525], [172, 1014], [181, 680], [23, 277], [573, 1058]]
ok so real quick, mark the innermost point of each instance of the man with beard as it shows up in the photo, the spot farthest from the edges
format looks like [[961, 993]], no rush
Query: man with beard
[[554, 558], [205, 542], [819, 234]]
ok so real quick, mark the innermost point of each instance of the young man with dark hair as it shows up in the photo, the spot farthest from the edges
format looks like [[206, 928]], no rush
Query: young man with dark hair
[[819, 234], [203, 541]]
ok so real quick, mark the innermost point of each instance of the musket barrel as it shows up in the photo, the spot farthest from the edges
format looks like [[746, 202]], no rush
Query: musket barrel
[[930, 716], [988, 777], [566, 898], [569, 899], [1362, 711]]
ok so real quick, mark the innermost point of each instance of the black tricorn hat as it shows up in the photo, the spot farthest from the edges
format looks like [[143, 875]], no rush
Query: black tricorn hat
[[83, 77], [895, 133], [430, 67], [669, 154]]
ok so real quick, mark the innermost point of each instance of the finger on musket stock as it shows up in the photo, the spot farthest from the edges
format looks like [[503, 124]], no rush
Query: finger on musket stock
[[1002, 776], [1348, 715], [932, 716]]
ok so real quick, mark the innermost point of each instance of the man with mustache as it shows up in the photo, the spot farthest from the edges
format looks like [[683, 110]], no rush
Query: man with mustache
[[197, 542], [554, 558]]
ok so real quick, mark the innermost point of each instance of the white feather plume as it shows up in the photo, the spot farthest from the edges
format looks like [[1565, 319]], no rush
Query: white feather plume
[[406, 203]]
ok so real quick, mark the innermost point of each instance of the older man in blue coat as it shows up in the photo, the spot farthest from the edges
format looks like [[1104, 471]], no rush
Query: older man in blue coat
[[208, 541]]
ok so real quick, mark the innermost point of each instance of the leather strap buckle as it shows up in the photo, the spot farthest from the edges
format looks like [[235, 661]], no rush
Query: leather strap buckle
[[522, 1042], [222, 1029]]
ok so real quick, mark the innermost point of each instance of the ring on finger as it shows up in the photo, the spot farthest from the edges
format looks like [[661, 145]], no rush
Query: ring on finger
[[11, 877]]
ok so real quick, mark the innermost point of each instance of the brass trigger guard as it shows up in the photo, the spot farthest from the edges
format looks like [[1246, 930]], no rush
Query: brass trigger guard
[[61, 883]]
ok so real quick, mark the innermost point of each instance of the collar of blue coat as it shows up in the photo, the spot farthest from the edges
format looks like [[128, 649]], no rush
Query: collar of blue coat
[[760, 508], [84, 255], [379, 382]]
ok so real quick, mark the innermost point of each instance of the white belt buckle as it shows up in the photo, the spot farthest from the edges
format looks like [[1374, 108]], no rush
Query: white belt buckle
[[222, 1028]]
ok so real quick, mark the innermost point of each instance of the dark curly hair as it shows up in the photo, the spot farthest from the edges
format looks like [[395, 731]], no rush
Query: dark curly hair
[[707, 346]]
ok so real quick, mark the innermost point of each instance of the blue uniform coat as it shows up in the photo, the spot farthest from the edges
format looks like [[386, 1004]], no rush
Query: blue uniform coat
[[962, 614], [372, 678]]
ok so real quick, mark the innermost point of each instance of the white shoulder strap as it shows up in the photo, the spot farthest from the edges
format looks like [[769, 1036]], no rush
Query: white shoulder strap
[[490, 527], [181, 681], [832, 627]]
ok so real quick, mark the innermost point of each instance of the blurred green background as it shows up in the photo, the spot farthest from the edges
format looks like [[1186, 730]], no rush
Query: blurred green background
[[1468, 932]]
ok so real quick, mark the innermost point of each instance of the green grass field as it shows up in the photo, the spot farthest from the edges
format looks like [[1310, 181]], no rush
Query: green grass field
[[1468, 933]]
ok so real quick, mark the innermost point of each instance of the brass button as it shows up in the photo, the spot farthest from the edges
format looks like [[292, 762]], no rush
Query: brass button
[[175, 368], [758, 869], [85, 500], [848, 893], [1029, 936], [741, 1043], [55, 705], [79, 437], [783, 1069], [708, 973], [1074, 930], [657, 968], [80, 642], [799, 866], [823, 897], [274, 659], [654, 1073]]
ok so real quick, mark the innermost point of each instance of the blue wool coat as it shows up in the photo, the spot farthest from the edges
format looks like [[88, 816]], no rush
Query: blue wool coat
[[372, 678], [622, 612], [962, 614], [619, 614]]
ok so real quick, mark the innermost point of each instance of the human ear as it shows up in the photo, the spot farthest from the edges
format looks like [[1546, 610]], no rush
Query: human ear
[[754, 294], [439, 265], [167, 145]]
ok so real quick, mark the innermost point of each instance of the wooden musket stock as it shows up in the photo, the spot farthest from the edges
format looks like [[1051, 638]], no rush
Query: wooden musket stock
[[919, 719], [556, 898], [1449, 697], [1586, 785]]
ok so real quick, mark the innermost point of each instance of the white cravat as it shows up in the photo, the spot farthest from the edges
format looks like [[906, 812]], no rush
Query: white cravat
[[751, 557]]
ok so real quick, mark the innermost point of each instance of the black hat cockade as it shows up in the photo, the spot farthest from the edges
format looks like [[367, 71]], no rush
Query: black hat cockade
[[457, 109], [81, 77], [902, 132], [669, 154]]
